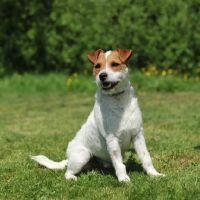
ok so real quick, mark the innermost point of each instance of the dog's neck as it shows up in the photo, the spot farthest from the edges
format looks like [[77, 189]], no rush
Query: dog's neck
[[116, 94], [115, 101], [127, 93]]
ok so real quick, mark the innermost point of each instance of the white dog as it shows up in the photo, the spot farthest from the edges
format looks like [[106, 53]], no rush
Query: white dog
[[113, 124]]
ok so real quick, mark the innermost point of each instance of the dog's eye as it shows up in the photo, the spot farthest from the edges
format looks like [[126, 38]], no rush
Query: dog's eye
[[115, 64], [97, 66]]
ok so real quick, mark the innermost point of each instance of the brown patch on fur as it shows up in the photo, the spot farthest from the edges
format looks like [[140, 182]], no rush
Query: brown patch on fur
[[94, 55], [114, 58], [124, 54], [99, 64]]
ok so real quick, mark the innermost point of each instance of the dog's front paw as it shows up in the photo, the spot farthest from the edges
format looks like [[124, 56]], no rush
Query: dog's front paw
[[124, 179], [158, 174], [154, 173]]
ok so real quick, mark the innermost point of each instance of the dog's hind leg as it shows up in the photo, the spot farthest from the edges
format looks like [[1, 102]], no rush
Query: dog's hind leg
[[77, 159]]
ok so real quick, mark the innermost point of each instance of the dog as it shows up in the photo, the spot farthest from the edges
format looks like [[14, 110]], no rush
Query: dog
[[113, 124]]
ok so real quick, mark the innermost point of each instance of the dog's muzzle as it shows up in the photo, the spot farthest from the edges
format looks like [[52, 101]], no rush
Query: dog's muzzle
[[106, 85]]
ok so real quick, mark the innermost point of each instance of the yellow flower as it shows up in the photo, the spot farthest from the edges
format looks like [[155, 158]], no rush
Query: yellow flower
[[170, 71], [164, 73], [185, 77], [153, 68], [175, 72], [75, 74], [197, 69], [85, 71], [69, 80], [197, 78], [148, 73], [136, 86], [156, 72], [143, 69]]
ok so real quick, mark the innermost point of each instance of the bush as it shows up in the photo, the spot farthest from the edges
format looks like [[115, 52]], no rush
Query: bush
[[43, 36]]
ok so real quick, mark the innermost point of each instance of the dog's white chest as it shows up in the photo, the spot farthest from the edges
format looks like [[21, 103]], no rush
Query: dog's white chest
[[117, 116]]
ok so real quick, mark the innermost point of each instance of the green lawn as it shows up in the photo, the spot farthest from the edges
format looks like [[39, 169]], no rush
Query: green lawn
[[43, 120]]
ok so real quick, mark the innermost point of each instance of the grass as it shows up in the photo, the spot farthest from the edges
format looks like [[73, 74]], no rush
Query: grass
[[29, 84], [42, 114]]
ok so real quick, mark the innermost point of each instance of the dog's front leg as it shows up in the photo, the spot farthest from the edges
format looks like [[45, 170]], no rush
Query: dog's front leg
[[116, 157], [143, 154]]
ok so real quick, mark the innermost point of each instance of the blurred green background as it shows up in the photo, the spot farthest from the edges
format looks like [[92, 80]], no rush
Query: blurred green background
[[48, 36]]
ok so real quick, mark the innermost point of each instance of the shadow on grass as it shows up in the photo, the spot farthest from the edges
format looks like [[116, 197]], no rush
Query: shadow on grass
[[130, 163], [197, 147]]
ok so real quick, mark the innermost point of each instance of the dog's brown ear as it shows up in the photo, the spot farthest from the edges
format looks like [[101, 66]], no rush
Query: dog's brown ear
[[94, 56], [124, 54]]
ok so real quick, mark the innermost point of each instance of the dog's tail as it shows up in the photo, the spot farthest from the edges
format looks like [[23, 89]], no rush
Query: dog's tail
[[43, 160]]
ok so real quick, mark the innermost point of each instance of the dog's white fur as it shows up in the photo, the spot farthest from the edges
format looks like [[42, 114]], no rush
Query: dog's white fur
[[113, 124]]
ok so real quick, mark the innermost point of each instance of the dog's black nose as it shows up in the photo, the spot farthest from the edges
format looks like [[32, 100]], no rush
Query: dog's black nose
[[103, 76]]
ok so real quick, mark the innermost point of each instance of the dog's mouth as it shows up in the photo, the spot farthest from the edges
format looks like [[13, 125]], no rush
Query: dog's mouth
[[108, 85]]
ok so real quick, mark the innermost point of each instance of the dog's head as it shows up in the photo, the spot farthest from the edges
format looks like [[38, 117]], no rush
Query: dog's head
[[110, 69]]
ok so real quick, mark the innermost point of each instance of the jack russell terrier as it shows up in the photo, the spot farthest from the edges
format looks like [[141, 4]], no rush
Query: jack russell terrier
[[113, 124]]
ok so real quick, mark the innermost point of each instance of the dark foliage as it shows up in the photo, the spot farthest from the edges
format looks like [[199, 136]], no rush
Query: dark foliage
[[53, 35]]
